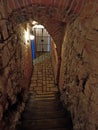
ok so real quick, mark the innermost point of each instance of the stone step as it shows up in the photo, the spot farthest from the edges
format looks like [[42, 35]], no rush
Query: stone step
[[46, 89], [40, 97], [44, 123], [43, 95], [44, 103], [43, 115], [44, 98], [20, 128], [43, 109]]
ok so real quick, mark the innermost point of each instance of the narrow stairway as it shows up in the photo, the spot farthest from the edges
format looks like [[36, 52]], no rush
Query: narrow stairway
[[44, 110]]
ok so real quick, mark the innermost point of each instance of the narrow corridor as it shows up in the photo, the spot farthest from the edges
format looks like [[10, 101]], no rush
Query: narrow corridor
[[43, 110], [69, 30], [42, 82]]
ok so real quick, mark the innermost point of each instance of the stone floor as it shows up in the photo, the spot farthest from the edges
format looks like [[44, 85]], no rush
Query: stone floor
[[42, 82], [43, 110]]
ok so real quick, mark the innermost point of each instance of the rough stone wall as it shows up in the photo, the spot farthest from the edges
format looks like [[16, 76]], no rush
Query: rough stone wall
[[79, 69], [15, 71], [54, 58]]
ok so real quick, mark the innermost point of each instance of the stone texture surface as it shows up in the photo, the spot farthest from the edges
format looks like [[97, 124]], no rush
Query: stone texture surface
[[15, 71], [79, 69], [42, 81], [54, 58], [44, 110]]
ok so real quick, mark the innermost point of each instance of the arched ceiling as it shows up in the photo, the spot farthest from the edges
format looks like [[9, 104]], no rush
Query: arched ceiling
[[63, 9], [53, 14]]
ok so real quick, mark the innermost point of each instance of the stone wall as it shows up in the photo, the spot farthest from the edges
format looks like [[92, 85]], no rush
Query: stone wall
[[54, 58], [15, 71], [79, 69]]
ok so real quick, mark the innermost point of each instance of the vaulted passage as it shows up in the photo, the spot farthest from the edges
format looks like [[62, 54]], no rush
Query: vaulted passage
[[72, 43], [44, 111], [42, 81]]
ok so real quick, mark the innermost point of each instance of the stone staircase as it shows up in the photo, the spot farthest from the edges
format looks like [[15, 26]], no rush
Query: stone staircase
[[44, 110], [44, 113]]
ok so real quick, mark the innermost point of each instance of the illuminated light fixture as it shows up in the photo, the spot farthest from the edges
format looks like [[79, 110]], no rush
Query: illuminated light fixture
[[38, 26], [31, 37]]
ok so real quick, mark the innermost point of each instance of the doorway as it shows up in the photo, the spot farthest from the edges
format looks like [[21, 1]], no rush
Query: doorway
[[41, 42]]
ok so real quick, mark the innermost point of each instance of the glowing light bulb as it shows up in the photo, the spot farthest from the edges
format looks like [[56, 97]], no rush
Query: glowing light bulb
[[31, 37]]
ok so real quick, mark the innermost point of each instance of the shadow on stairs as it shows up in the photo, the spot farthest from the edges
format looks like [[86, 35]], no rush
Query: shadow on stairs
[[45, 114]]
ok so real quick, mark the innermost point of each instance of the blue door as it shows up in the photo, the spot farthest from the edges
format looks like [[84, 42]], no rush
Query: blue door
[[33, 49]]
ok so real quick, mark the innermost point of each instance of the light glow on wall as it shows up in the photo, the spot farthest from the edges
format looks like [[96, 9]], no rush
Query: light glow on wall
[[38, 26], [32, 37], [27, 36], [55, 45], [34, 22]]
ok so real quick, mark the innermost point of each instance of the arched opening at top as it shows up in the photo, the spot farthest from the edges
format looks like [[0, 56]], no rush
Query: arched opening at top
[[42, 44], [41, 39]]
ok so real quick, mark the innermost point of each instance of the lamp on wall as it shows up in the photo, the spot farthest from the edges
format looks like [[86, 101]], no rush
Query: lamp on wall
[[32, 37]]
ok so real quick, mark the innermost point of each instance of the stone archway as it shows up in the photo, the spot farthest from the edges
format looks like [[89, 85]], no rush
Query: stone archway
[[71, 22]]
